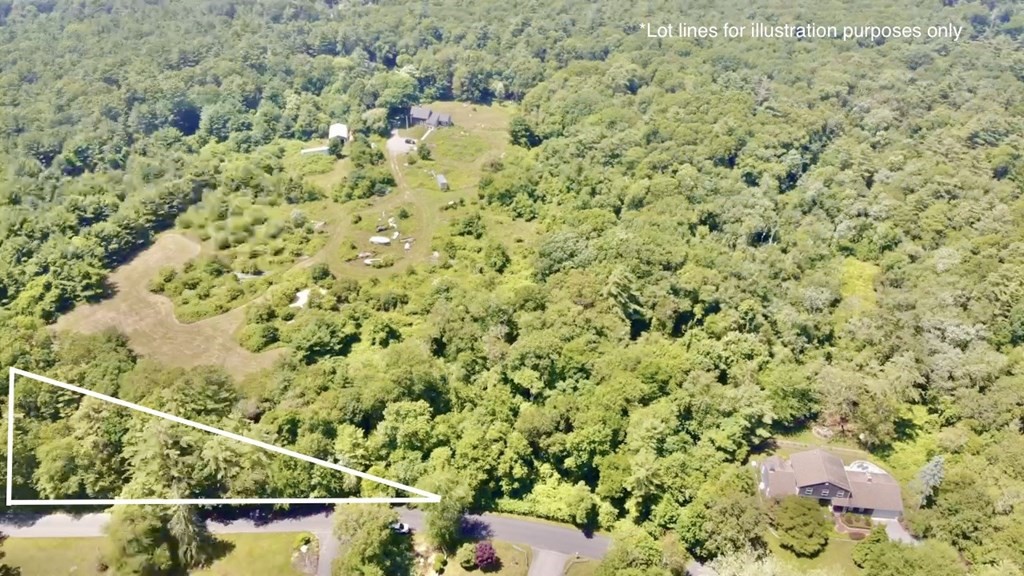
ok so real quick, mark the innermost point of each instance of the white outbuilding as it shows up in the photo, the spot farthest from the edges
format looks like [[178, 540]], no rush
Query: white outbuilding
[[337, 131]]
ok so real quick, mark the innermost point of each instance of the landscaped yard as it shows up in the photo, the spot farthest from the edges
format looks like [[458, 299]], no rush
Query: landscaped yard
[[252, 555], [835, 559], [514, 562]]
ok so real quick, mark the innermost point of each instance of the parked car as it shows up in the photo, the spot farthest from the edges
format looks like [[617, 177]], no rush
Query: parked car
[[401, 528], [410, 141]]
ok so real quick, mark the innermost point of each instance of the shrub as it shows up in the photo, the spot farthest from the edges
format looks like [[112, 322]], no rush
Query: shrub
[[439, 564], [303, 539], [403, 213], [466, 556], [486, 556], [256, 337]]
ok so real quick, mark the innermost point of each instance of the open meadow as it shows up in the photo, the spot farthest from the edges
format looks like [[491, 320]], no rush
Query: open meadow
[[149, 322]]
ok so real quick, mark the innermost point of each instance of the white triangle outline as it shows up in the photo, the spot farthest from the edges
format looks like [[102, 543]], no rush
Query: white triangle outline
[[424, 496]]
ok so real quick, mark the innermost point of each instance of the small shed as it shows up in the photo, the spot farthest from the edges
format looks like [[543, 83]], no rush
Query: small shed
[[380, 240], [337, 131], [442, 182], [317, 150]]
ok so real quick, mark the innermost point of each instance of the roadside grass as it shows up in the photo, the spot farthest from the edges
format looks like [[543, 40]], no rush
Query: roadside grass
[[149, 322], [581, 567], [515, 561], [55, 556], [252, 555], [836, 559], [255, 555]]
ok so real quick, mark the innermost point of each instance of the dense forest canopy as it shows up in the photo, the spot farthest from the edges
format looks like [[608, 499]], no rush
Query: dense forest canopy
[[729, 240]]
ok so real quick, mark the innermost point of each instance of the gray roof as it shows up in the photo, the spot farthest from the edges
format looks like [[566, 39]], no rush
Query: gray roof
[[444, 118], [781, 483], [419, 112], [818, 467], [872, 491]]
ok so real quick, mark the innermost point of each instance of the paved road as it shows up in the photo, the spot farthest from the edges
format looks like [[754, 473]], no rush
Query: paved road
[[545, 538]]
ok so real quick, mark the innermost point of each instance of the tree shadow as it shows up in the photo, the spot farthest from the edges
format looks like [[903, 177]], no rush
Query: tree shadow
[[496, 566], [474, 530], [219, 549]]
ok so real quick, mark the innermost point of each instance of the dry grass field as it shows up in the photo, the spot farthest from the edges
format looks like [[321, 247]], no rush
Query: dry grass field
[[148, 319]]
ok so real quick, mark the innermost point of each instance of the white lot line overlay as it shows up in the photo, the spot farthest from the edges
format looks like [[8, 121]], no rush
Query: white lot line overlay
[[424, 496]]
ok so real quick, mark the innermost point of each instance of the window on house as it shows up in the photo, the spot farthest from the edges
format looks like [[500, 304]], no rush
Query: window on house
[[808, 491], [840, 494], [824, 492]]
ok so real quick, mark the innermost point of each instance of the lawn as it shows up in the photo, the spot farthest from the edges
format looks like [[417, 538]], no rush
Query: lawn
[[253, 555], [581, 567], [515, 561], [835, 559], [54, 556]]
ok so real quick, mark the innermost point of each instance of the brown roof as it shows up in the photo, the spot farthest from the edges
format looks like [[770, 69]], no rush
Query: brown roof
[[873, 491], [818, 467]]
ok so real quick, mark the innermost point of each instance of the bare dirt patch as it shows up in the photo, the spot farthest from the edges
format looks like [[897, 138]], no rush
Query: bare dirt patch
[[148, 319]]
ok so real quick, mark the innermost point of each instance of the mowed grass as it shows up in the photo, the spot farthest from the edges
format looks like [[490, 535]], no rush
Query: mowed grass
[[581, 567], [514, 562], [252, 555], [836, 559], [255, 555], [149, 322], [857, 288], [55, 556], [326, 181]]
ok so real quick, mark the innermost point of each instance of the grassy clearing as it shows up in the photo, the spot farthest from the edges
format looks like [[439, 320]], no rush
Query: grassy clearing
[[255, 555], [329, 179], [55, 556], [459, 152], [514, 562], [581, 567], [857, 287], [149, 322], [835, 559]]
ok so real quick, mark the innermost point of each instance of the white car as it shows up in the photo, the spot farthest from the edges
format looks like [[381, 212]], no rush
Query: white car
[[401, 528]]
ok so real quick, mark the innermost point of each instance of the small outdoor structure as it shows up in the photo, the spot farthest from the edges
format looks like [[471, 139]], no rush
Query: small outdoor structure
[[861, 487], [442, 182], [337, 131], [380, 240], [317, 150]]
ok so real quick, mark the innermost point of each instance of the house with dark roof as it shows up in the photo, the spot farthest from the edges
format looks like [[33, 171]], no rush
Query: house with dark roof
[[422, 115], [418, 115], [861, 487]]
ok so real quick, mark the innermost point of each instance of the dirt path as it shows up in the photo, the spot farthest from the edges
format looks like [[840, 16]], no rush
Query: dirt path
[[149, 322]]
